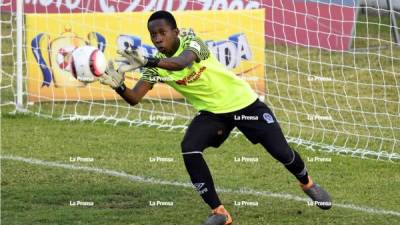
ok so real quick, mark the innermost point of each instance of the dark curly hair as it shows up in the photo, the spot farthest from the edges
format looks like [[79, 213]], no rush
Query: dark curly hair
[[167, 16]]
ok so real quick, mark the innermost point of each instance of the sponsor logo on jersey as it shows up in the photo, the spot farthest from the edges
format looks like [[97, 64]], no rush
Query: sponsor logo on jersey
[[191, 77]]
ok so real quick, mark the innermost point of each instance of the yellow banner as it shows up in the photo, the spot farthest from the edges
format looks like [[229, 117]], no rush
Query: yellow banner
[[235, 37]]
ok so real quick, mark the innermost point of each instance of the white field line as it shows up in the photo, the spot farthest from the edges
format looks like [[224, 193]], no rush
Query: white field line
[[243, 191]]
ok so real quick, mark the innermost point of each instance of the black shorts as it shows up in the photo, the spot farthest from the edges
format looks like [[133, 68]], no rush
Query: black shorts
[[255, 121]]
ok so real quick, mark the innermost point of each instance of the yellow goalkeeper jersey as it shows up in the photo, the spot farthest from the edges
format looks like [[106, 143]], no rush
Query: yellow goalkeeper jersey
[[207, 84]]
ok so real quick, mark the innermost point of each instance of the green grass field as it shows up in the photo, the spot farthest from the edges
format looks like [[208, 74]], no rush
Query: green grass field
[[41, 194], [39, 181]]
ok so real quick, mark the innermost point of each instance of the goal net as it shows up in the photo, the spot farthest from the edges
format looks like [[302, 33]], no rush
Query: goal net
[[329, 69]]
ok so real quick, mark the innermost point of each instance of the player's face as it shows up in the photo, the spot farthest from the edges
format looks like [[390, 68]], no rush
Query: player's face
[[163, 36]]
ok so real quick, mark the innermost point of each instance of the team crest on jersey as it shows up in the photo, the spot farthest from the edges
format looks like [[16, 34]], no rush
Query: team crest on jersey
[[267, 117]]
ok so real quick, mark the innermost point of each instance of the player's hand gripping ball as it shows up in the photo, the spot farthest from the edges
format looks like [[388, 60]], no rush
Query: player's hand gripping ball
[[88, 64]]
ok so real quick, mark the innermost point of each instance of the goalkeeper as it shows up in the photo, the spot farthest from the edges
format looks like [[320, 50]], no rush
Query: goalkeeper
[[223, 101]]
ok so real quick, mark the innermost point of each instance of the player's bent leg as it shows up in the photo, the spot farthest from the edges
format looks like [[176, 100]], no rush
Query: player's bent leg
[[266, 131], [294, 164], [319, 196], [280, 150], [202, 180], [201, 177], [205, 130]]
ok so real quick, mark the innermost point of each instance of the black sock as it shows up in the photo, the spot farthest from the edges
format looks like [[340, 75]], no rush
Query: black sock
[[298, 169], [201, 178]]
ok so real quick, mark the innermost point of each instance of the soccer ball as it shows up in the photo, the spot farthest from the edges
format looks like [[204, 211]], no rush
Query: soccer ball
[[88, 64]]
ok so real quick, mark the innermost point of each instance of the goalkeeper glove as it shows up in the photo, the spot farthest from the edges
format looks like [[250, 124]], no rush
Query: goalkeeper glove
[[132, 59], [113, 78]]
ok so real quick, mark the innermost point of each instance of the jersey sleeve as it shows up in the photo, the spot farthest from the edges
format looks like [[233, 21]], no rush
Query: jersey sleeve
[[150, 75], [196, 45]]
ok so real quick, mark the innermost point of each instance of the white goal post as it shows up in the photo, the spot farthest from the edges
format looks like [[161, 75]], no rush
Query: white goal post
[[19, 65]]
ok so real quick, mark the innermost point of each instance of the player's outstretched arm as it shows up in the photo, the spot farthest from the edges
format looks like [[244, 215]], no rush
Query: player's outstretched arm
[[133, 59], [115, 79], [180, 62], [135, 95]]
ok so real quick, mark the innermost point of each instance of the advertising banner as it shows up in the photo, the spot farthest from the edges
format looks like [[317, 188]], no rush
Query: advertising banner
[[326, 24], [51, 38]]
